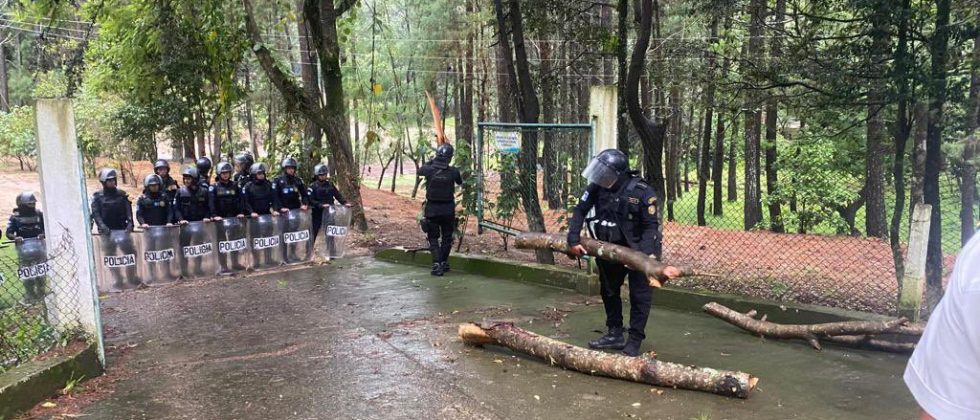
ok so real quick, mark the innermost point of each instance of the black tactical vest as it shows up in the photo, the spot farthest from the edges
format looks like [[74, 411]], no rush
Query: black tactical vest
[[289, 190], [115, 209], [193, 205], [29, 225], [259, 195], [441, 186], [227, 200], [154, 210]]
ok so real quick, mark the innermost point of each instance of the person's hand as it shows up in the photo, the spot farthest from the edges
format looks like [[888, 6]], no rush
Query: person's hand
[[217, 218], [19, 240], [672, 272], [578, 251], [275, 213], [182, 222], [326, 206], [170, 224], [41, 236], [347, 205], [240, 216], [144, 226], [255, 215], [205, 219], [304, 207], [284, 210]]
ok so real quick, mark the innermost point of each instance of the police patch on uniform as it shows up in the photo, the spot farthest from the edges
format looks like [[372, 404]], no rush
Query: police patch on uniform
[[652, 205], [634, 200], [585, 196]]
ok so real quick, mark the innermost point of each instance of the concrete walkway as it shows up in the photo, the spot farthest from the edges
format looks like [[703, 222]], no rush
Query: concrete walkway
[[364, 339]]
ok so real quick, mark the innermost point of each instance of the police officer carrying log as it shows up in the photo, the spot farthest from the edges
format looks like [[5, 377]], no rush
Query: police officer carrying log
[[289, 188], [26, 221], [153, 207], [204, 171], [170, 187], [260, 198], [244, 163], [111, 208], [191, 203], [440, 206], [323, 194], [225, 197], [626, 214]]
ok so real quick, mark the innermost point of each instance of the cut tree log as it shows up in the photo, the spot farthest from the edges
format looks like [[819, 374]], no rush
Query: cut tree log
[[845, 332], [642, 369], [634, 260]]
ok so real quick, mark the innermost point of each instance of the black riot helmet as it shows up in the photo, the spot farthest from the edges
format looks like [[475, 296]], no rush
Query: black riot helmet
[[257, 168], [288, 162], [106, 174], [161, 163], [606, 168], [225, 167], [152, 179], [445, 151], [190, 171], [203, 165], [26, 200], [321, 169], [244, 160]]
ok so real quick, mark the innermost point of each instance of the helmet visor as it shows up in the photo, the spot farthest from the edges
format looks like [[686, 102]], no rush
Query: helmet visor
[[600, 174]]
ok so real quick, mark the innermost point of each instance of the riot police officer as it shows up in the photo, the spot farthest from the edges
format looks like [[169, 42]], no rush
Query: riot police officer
[[440, 206], [260, 198], [191, 203], [244, 163], [26, 221], [204, 171], [111, 208], [626, 214], [323, 194], [153, 207], [289, 188], [162, 168], [225, 197]]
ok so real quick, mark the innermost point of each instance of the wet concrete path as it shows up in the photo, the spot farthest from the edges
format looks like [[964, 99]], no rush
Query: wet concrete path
[[371, 340]]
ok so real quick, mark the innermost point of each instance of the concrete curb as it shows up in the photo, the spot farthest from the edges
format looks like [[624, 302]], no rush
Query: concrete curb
[[668, 297], [21, 388]]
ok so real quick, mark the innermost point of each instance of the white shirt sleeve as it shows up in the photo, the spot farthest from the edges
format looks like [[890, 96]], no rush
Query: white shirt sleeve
[[943, 373]]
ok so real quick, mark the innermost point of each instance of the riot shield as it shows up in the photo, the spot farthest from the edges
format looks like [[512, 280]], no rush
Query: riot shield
[[197, 250], [297, 247], [264, 239], [32, 269], [232, 240], [161, 249], [117, 261], [336, 223]]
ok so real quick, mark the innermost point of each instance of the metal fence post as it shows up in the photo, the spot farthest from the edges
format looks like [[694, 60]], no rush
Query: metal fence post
[[66, 209], [910, 300]]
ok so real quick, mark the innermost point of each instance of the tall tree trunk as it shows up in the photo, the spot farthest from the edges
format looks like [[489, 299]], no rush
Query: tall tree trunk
[[968, 185], [901, 137], [704, 157], [920, 114], [772, 105], [622, 118], [934, 159], [717, 166], [506, 87], [311, 84], [551, 181], [249, 116], [229, 136], [732, 162], [4, 82], [528, 109], [650, 131], [874, 215], [673, 146], [752, 210]]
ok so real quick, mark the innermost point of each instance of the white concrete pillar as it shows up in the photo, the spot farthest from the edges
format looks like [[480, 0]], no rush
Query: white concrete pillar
[[603, 103], [910, 302], [66, 212]]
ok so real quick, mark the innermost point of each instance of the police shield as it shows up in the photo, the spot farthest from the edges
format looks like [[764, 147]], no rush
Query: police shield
[[197, 250], [161, 254], [32, 268], [336, 223], [232, 242], [117, 261], [264, 241], [296, 236]]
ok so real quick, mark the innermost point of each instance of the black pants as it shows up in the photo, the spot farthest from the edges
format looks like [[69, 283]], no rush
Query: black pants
[[440, 227], [611, 277], [317, 222]]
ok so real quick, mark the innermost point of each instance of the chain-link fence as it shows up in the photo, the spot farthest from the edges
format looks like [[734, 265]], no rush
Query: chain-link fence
[[39, 300]]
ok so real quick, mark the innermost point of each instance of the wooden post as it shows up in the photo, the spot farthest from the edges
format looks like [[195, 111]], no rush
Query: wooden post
[[910, 300]]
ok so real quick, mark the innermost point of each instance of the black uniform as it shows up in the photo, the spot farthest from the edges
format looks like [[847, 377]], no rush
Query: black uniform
[[170, 187], [191, 204], [321, 193], [259, 196], [25, 223], [290, 191], [154, 209], [242, 178], [225, 199], [112, 210], [626, 216], [440, 207]]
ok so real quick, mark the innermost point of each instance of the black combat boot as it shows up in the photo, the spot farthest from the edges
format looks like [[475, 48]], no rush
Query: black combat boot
[[612, 340], [445, 266], [632, 347], [437, 269]]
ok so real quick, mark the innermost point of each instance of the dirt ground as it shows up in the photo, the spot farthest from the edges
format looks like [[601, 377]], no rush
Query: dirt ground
[[846, 272]]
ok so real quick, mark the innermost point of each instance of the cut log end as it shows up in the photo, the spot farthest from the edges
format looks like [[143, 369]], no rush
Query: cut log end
[[473, 335]]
